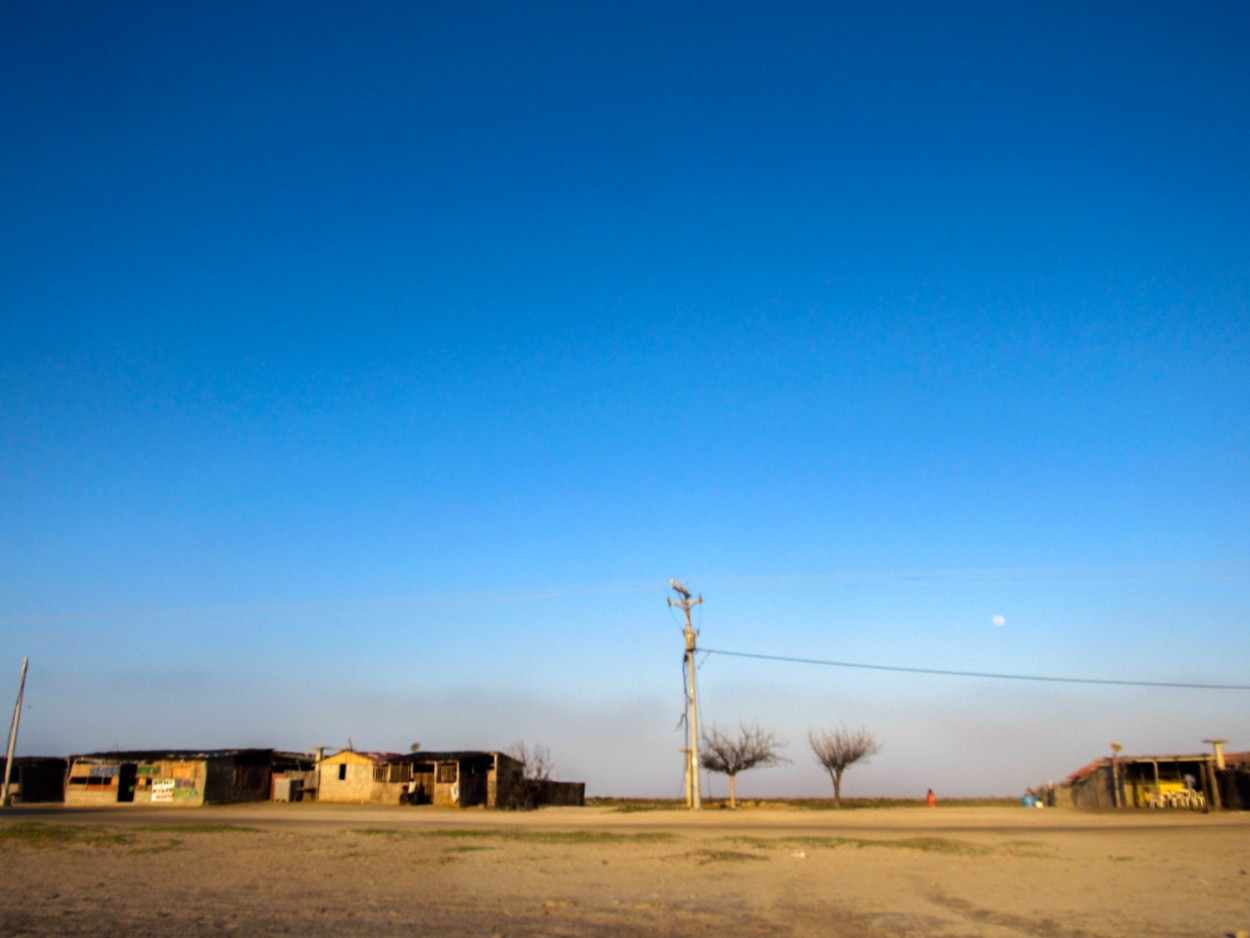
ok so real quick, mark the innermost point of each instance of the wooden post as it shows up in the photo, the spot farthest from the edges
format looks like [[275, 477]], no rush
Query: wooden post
[[1115, 775], [1213, 788], [1218, 745]]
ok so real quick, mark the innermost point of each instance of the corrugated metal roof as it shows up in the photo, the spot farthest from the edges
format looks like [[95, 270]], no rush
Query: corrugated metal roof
[[1087, 770], [150, 755], [1202, 758], [374, 757], [454, 756]]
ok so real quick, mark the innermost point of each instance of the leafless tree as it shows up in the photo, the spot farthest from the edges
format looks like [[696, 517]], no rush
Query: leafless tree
[[839, 749], [752, 748], [537, 768]]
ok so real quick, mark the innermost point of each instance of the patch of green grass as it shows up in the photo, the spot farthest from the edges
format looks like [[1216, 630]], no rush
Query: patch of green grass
[[105, 838], [48, 836], [924, 844], [465, 848], [788, 843], [1025, 848], [633, 805], [160, 846], [549, 837], [56, 836], [376, 832], [200, 829], [937, 845], [703, 857], [861, 804], [465, 833], [39, 835]]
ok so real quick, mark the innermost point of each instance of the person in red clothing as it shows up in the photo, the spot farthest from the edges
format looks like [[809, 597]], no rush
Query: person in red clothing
[[931, 798]]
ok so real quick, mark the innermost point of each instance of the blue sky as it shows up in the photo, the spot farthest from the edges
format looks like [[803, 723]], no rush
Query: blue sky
[[366, 374]]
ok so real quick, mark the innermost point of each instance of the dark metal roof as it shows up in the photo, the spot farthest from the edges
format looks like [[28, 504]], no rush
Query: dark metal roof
[[371, 756], [460, 755], [152, 755], [1200, 757]]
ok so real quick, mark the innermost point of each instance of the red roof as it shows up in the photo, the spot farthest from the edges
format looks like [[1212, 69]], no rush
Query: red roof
[[1087, 770]]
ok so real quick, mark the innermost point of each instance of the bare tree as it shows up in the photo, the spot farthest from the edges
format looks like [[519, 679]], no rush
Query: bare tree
[[537, 768], [752, 748], [839, 749]]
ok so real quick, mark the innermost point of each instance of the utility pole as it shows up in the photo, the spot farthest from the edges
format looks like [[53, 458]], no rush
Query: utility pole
[[693, 801], [5, 800], [1212, 780], [1115, 774]]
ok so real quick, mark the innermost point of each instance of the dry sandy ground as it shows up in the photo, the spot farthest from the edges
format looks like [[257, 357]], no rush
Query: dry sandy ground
[[375, 870]]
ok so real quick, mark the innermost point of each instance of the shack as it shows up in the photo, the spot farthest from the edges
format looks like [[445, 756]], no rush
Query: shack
[[36, 779], [294, 783], [1234, 781], [177, 776], [490, 779], [1162, 781], [350, 777], [461, 779]]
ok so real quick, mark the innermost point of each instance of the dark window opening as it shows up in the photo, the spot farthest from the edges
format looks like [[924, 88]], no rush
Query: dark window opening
[[391, 772]]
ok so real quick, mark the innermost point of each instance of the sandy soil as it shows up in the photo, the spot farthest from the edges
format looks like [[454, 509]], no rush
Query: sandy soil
[[375, 870]]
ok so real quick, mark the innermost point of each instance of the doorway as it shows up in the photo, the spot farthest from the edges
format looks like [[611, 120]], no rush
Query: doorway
[[126, 774]]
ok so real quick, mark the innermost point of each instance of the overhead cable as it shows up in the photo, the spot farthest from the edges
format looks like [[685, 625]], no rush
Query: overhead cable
[[981, 674]]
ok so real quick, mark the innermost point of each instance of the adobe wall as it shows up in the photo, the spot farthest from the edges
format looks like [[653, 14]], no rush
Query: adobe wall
[[355, 788], [95, 784]]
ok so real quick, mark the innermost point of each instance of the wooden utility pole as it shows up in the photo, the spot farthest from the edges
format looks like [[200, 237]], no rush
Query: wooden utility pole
[[5, 800], [1213, 780], [693, 801], [1115, 774]]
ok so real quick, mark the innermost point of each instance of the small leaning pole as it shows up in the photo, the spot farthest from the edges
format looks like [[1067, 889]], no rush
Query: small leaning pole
[[5, 799], [693, 800]]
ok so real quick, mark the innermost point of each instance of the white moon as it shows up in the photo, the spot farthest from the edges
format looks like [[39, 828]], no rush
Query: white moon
[[999, 620]]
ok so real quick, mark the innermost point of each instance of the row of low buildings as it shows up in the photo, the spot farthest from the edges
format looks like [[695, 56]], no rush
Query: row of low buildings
[[225, 776]]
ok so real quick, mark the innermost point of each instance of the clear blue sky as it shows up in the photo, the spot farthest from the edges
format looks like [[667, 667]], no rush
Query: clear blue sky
[[366, 371]]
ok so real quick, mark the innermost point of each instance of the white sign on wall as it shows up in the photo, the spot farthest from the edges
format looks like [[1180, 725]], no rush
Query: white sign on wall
[[162, 790]]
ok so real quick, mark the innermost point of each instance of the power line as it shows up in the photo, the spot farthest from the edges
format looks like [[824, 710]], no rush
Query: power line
[[984, 674]]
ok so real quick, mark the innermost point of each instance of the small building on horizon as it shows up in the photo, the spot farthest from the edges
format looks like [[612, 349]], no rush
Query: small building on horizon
[[462, 779], [177, 776], [36, 779], [1196, 782], [351, 777]]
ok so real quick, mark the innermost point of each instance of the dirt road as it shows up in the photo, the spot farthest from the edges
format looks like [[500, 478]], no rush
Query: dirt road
[[373, 870]]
